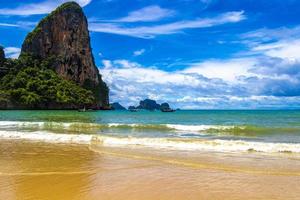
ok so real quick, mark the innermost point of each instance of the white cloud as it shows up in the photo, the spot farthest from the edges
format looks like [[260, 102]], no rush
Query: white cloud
[[280, 42], [12, 52], [124, 69], [235, 83], [83, 2], [125, 64], [8, 25], [286, 49], [166, 29], [130, 82], [147, 14], [20, 24], [38, 8], [265, 35], [139, 52], [228, 70], [238, 102]]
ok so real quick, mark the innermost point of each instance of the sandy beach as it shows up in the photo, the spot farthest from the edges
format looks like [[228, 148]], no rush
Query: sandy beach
[[37, 170]]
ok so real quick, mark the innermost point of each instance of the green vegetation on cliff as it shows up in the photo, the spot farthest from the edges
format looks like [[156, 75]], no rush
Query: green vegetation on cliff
[[30, 83]]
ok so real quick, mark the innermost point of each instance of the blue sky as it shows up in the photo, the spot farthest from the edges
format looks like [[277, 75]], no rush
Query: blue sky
[[191, 53]]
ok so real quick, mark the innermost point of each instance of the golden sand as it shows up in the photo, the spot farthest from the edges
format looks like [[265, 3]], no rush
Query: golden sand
[[31, 170]]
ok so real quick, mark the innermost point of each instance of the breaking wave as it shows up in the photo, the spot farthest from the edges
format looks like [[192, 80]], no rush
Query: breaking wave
[[92, 128], [157, 143]]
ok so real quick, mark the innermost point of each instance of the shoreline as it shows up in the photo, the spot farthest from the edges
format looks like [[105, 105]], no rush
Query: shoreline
[[180, 144], [200, 159], [34, 170]]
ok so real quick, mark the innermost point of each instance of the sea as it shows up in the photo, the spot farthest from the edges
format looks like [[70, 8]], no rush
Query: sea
[[267, 131], [187, 154]]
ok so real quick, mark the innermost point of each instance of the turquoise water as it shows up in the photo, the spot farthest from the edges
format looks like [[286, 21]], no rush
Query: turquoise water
[[252, 125]]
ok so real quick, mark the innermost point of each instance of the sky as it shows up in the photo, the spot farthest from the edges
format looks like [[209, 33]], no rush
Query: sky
[[194, 54]]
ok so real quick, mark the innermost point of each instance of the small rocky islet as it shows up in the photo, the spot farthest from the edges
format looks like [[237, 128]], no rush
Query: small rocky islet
[[147, 104], [117, 106]]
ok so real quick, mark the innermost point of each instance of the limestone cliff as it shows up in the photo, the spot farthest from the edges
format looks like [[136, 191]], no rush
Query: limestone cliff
[[63, 38], [2, 56], [3, 69]]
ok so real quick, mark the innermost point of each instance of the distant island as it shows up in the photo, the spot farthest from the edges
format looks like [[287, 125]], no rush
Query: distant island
[[147, 104], [56, 68], [117, 106]]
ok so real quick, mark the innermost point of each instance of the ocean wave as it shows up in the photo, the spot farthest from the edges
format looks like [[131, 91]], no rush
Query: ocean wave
[[46, 137], [180, 129], [154, 126], [197, 128], [157, 143], [202, 145], [117, 125], [74, 126]]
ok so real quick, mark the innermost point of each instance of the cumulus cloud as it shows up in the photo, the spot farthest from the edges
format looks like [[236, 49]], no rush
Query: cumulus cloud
[[12, 52], [260, 82], [276, 70], [167, 28], [276, 67], [37, 8], [227, 70], [129, 79], [238, 102]]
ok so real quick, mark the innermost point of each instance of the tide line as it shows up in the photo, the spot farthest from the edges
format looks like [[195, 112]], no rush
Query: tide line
[[195, 165]]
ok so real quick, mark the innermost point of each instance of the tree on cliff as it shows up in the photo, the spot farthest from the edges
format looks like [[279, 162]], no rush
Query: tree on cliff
[[30, 84]]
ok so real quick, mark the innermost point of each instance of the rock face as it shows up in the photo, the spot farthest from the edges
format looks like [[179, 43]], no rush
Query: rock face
[[2, 56], [63, 38], [117, 106], [3, 69]]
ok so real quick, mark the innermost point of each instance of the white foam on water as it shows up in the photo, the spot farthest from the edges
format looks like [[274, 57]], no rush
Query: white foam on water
[[46, 137], [17, 123], [197, 127], [177, 127], [198, 145], [9, 124], [167, 143], [159, 143]]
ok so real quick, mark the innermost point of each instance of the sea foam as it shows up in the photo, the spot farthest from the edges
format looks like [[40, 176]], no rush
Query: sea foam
[[202, 145], [156, 143], [46, 137], [176, 127]]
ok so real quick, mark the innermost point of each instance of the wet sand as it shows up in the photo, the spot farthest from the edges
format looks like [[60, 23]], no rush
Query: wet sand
[[35, 170]]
